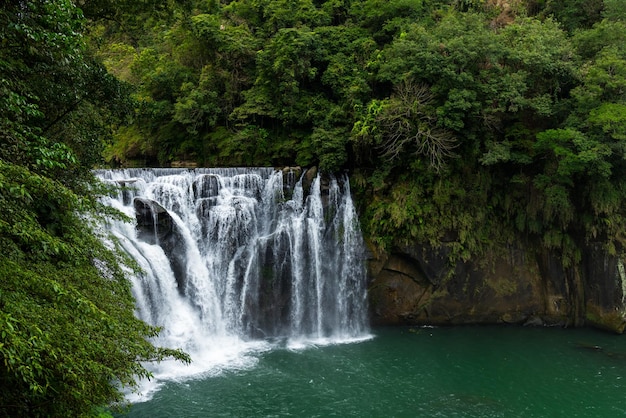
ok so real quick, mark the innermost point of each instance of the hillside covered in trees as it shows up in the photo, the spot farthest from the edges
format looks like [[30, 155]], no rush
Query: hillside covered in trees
[[469, 118], [472, 122]]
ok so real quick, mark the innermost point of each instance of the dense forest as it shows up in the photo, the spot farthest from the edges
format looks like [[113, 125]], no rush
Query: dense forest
[[467, 121], [470, 122]]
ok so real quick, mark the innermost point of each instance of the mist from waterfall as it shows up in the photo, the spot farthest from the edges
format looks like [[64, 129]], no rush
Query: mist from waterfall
[[235, 261]]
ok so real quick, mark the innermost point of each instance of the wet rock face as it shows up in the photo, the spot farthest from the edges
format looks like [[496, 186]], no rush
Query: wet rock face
[[206, 186], [125, 186], [290, 177], [153, 221], [417, 286], [156, 226], [604, 289]]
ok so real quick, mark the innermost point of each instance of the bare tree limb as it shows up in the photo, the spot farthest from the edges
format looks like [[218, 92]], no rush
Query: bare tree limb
[[409, 125]]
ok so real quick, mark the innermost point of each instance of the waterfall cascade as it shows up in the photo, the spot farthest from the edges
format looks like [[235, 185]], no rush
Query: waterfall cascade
[[231, 257]]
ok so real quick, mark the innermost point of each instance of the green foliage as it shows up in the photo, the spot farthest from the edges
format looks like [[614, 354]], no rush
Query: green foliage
[[576, 154], [611, 118], [68, 335], [331, 148], [282, 14], [382, 18], [284, 65], [420, 208], [69, 340], [508, 112], [406, 124], [54, 124], [129, 145], [249, 145], [541, 53], [196, 108], [575, 14], [614, 10]]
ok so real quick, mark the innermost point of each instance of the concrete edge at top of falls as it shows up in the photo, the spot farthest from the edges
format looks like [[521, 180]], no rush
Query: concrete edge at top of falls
[[415, 285]]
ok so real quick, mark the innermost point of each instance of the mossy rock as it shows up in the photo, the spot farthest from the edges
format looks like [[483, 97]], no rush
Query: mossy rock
[[611, 321]]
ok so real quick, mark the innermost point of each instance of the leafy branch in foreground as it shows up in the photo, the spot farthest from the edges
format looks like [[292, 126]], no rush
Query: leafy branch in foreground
[[69, 339]]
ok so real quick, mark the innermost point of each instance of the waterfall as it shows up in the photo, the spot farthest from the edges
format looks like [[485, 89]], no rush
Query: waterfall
[[234, 258]]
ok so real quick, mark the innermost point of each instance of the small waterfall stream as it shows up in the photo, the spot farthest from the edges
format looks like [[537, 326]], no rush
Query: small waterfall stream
[[236, 259]]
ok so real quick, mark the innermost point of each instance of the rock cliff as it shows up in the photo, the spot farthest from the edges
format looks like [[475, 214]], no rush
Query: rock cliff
[[417, 285]]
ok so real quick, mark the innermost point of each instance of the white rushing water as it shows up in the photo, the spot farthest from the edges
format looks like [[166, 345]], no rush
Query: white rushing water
[[234, 260]]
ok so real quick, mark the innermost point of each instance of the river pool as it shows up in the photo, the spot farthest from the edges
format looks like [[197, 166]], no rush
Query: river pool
[[415, 372]]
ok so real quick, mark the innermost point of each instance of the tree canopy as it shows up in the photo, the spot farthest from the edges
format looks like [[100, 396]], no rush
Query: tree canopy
[[483, 115]]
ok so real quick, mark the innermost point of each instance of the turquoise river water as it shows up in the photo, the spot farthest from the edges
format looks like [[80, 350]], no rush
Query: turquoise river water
[[415, 372]]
